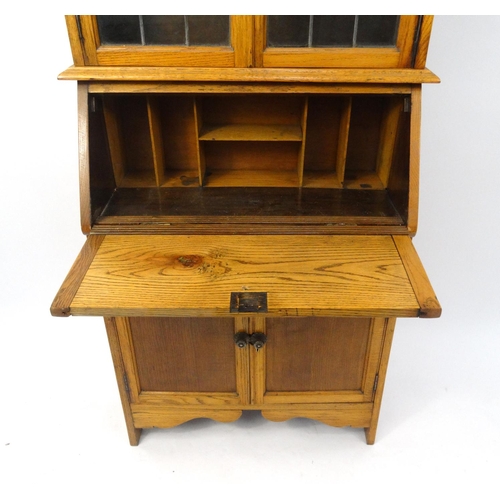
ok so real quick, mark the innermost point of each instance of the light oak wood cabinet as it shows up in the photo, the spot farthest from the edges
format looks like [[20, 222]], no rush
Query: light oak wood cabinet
[[249, 228]]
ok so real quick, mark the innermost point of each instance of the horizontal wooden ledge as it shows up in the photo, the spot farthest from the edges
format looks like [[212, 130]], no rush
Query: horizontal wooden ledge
[[317, 75], [106, 226], [185, 276]]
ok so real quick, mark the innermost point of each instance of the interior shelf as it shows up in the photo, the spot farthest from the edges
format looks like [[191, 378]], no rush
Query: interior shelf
[[254, 204], [251, 133]]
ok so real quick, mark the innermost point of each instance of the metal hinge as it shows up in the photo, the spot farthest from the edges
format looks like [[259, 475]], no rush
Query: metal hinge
[[375, 384], [125, 383], [406, 105]]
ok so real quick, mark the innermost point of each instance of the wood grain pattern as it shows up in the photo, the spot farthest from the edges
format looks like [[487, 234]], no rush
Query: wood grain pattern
[[194, 275], [429, 305], [316, 354], [251, 133], [83, 158], [341, 415], [145, 417], [371, 430], [134, 433], [184, 354], [414, 167], [242, 40], [155, 131], [113, 134], [74, 41], [61, 304], [423, 44], [179, 74], [223, 87]]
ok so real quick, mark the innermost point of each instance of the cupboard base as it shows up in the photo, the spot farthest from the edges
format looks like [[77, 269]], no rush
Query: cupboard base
[[147, 409]]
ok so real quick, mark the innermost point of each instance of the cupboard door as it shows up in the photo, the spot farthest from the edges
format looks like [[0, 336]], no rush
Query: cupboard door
[[208, 41], [318, 360], [184, 360], [340, 41]]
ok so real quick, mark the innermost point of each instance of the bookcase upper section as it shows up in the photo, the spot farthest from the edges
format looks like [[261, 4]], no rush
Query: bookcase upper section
[[375, 42]]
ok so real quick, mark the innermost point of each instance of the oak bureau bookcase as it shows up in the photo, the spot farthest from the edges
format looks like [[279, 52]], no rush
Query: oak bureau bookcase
[[249, 191]]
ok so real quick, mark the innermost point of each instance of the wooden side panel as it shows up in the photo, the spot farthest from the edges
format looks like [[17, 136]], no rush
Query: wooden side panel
[[112, 329], [371, 429], [74, 40], [423, 45], [415, 123], [83, 157]]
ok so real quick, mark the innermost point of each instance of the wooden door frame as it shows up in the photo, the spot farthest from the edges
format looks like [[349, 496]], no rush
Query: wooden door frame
[[410, 51], [87, 50]]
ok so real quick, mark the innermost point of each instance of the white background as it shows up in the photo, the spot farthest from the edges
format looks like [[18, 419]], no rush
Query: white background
[[61, 425]]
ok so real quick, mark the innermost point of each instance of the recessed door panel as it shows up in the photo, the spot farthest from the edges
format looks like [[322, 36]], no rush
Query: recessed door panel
[[184, 354], [316, 354]]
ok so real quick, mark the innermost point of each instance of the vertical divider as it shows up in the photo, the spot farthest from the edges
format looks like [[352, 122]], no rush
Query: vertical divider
[[345, 122], [258, 362], [300, 166], [241, 324], [388, 136], [156, 139], [200, 148], [112, 122]]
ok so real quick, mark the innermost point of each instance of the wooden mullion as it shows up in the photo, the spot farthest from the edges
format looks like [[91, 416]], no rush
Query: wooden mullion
[[241, 324], [242, 38], [257, 362], [259, 40]]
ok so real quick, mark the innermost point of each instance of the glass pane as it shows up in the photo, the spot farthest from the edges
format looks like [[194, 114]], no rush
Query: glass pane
[[377, 31], [208, 30], [333, 31], [288, 31], [164, 30], [119, 30]]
